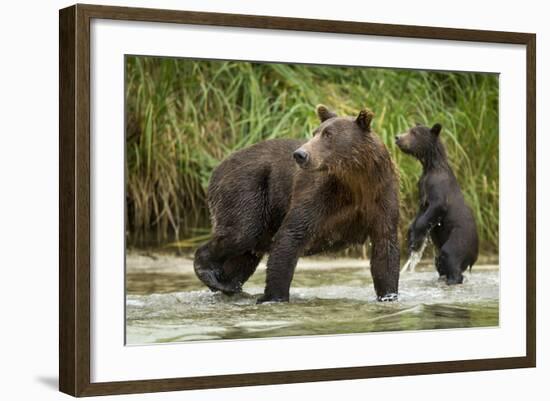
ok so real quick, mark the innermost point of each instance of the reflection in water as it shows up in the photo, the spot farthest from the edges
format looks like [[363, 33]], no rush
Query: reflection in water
[[170, 304]]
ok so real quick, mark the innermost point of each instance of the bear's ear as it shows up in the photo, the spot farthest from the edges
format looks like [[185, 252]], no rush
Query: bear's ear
[[324, 113], [364, 118], [436, 129]]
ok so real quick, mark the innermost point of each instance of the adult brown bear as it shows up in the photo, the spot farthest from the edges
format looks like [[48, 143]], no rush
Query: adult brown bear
[[291, 198]]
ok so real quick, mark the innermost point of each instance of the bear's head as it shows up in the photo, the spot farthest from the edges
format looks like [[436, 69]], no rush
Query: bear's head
[[419, 141], [337, 143]]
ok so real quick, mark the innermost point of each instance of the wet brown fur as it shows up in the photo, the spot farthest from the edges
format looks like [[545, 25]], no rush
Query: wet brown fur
[[262, 202]]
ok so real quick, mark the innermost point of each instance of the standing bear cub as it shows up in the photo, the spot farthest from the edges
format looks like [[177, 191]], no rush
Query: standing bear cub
[[443, 212], [291, 198]]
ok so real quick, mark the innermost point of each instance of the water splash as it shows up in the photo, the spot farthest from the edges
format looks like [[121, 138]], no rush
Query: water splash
[[414, 258]]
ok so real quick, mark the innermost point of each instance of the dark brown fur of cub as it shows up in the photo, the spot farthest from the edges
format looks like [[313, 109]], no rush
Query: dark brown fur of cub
[[442, 213]]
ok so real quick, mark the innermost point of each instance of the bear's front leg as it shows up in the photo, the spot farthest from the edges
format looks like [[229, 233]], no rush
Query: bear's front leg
[[426, 220], [385, 266], [287, 246], [423, 224], [412, 239]]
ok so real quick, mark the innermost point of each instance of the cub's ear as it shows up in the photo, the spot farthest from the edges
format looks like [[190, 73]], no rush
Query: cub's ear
[[324, 113], [364, 118], [436, 129]]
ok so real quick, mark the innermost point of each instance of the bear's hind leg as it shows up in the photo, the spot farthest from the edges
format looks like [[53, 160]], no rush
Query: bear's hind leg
[[440, 267], [207, 268], [226, 261], [238, 269], [209, 262], [450, 264]]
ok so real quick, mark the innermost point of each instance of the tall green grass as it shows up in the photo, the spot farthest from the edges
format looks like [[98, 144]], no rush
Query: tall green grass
[[184, 116]]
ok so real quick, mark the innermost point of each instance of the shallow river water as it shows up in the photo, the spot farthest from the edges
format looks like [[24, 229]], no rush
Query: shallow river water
[[165, 302]]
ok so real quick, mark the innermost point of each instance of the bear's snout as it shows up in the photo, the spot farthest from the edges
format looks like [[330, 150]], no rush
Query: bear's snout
[[301, 157], [400, 141]]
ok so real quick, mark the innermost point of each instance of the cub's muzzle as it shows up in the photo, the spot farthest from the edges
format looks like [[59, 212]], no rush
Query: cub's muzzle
[[400, 141]]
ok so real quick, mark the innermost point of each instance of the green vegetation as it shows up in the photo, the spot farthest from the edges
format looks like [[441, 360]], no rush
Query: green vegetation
[[184, 116]]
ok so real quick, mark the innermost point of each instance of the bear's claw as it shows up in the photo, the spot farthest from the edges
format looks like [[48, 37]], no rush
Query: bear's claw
[[391, 297], [214, 281]]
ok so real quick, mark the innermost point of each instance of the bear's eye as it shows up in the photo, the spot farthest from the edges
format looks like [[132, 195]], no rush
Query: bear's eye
[[327, 133]]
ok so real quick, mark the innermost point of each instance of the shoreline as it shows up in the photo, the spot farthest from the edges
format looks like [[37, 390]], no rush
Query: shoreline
[[152, 262]]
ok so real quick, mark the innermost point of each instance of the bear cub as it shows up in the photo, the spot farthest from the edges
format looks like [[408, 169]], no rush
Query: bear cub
[[443, 213], [291, 198]]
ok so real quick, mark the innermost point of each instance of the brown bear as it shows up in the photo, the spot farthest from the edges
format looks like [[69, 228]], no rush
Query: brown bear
[[291, 198], [443, 212]]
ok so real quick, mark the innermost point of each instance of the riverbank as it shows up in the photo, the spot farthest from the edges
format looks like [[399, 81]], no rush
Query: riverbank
[[164, 262]]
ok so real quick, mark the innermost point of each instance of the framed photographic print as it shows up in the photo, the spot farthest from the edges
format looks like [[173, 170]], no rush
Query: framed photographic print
[[250, 200]]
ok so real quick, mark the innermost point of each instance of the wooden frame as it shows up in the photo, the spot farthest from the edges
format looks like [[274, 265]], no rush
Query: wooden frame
[[74, 199]]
